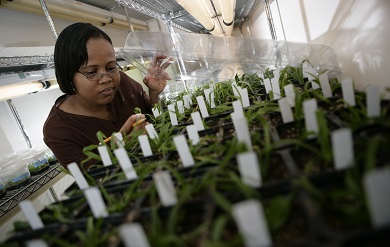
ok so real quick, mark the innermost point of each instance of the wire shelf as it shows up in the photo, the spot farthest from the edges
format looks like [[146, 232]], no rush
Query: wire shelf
[[13, 197]]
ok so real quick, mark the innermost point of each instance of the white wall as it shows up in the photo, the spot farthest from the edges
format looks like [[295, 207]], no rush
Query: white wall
[[357, 30]]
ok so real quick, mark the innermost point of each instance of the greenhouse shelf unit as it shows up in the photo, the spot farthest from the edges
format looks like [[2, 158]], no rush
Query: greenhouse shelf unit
[[254, 143]]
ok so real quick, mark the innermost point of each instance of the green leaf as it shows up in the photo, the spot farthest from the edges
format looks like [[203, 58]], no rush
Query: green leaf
[[278, 211], [221, 201], [218, 227]]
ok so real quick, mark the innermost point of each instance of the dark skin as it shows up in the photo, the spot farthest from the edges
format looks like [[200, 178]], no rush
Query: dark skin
[[156, 79], [92, 97]]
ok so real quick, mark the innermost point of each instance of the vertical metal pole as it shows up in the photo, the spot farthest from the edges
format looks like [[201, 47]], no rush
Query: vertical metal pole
[[48, 17], [281, 21], [128, 19], [248, 27], [19, 122], [273, 32], [55, 34], [182, 67], [269, 19], [53, 194], [10, 102]]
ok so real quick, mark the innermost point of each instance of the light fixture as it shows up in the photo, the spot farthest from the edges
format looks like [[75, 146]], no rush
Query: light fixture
[[228, 11], [198, 11], [73, 11], [217, 16], [20, 89], [213, 9]]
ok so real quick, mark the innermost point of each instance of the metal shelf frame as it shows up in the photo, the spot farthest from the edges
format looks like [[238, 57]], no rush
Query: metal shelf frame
[[13, 197]]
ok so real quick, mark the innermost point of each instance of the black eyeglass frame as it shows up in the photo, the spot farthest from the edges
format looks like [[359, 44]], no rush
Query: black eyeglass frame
[[109, 73]]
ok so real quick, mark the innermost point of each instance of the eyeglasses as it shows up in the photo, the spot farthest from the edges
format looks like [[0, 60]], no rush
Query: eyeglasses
[[112, 72]]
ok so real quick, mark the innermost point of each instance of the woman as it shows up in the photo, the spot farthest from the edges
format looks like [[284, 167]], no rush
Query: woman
[[98, 96]]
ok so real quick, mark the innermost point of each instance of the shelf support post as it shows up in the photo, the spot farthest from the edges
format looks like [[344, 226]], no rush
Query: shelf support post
[[182, 68], [49, 19], [19, 122]]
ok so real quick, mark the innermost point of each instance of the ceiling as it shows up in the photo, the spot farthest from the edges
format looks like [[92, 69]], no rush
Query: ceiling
[[146, 10], [143, 10]]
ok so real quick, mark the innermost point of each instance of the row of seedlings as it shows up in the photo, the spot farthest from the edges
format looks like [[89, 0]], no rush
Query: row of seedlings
[[263, 160]]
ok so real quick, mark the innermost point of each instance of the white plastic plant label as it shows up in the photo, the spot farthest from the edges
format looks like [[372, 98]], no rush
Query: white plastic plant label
[[193, 134], [151, 131], [260, 74], [310, 109], [145, 145], [156, 112], [172, 114], [119, 139], [311, 75], [36, 243], [103, 152], [242, 130], [31, 214], [248, 166], [276, 73], [342, 146], [190, 98], [244, 97], [275, 88], [290, 94], [285, 110], [237, 108], [96, 202], [348, 91], [210, 98], [377, 189], [267, 85], [125, 163], [165, 188], [180, 106], [251, 223], [74, 169], [197, 119], [236, 89], [187, 101], [133, 235], [325, 86], [183, 150], [202, 106], [373, 101]]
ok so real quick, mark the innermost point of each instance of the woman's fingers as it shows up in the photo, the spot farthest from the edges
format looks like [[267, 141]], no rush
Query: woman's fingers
[[131, 123], [162, 61], [138, 122], [166, 62]]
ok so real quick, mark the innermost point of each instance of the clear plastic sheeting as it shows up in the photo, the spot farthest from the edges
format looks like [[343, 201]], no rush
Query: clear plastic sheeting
[[317, 56], [202, 59]]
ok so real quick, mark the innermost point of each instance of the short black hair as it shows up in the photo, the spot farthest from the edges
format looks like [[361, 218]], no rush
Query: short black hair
[[70, 52]]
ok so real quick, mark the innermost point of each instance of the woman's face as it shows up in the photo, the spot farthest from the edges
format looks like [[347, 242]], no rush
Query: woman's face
[[101, 59]]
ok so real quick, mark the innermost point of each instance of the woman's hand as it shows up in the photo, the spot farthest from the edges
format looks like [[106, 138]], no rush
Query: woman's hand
[[134, 123], [157, 77]]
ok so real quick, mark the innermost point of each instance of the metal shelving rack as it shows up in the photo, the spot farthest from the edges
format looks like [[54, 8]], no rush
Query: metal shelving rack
[[173, 14], [13, 197]]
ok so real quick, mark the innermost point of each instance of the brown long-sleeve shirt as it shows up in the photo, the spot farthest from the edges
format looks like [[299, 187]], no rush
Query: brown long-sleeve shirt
[[67, 134]]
